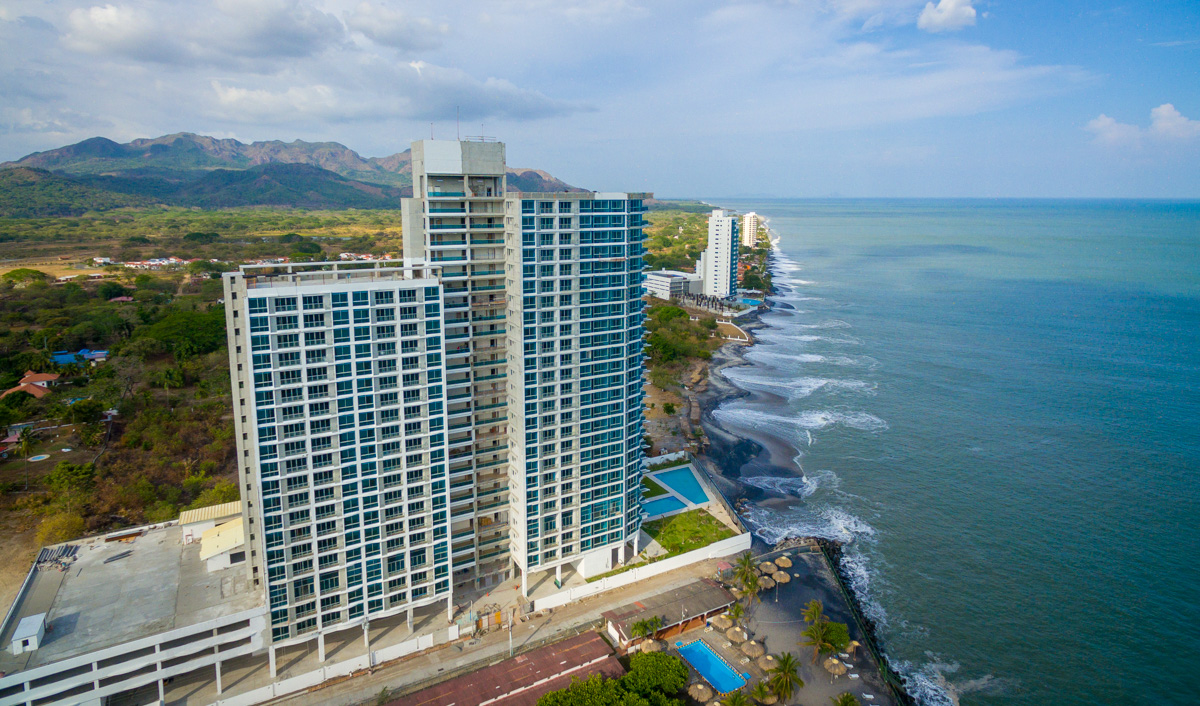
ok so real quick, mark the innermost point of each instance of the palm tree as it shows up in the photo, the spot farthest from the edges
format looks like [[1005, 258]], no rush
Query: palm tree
[[814, 612], [845, 699], [25, 442], [818, 639], [761, 692], [785, 676], [737, 698], [736, 612], [744, 567]]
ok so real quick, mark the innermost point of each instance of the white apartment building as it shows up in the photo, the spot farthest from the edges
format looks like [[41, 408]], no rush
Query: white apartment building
[[340, 391], [673, 284], [718, 264], [750, 229], [412, 430]]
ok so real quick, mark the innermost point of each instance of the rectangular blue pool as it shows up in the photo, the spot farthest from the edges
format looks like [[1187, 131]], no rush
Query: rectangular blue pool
[[714, 669], [682, 481], [662, 506]]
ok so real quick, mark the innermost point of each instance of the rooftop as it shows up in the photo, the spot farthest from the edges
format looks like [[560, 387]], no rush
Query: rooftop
[[520, 681], [211, 512], [117, 591], [675, 606]]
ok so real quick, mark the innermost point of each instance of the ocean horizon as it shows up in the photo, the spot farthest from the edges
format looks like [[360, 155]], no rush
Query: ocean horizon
[[995, 403]]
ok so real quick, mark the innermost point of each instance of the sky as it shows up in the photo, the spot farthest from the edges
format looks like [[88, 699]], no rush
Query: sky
[[687, 98]]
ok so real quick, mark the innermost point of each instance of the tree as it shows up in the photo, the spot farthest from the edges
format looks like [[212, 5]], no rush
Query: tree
[[845, 699], [761, 692], [655, 671], [814, 612], [25, 441], [784, 677], [71, 481], [59, 528], [737, 611], [222, 492], [25, 274], [818, 635], [736, 698]]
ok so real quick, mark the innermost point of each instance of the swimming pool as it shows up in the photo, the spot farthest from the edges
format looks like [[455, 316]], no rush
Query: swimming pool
[[662, 506], [711, 667], [752, 302], [682, 481]]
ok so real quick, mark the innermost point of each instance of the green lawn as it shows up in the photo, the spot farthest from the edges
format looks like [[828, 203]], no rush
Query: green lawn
[[651, 489], [680, 534]]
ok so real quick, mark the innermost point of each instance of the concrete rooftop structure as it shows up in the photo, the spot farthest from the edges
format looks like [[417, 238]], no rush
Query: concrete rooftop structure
[[114, 593]]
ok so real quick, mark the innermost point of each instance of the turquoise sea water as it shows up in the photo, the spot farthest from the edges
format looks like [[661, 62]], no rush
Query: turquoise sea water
[[999, 403]]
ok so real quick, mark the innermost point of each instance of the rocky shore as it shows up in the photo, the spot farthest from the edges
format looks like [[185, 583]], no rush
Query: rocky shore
[[726, 457]]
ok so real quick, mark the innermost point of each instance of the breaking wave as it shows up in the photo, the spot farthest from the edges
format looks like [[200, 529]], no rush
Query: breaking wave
[[794, 388]]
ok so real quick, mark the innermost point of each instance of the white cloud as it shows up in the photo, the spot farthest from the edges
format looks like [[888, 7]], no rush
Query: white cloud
[[946, 16], [1167, 126], [397, 29], [120, 31], [1167, 123]]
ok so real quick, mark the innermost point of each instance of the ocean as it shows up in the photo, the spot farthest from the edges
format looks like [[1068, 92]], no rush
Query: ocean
[[997, 403]]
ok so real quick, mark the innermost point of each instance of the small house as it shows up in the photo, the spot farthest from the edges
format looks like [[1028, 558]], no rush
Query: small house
[[30, 633]]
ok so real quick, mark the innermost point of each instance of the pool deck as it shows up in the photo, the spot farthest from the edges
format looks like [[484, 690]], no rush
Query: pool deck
[[729, 655]]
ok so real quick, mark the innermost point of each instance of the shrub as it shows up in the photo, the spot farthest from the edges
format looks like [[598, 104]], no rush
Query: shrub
[[59, 528], [669, 408]]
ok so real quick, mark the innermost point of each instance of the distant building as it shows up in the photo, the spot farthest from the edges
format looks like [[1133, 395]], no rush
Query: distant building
[[719, 262], [84, 356], [36, 384], [750, 229], [673, 284]]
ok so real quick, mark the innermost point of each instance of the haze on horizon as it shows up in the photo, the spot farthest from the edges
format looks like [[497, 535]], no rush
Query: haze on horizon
[[772, 98]]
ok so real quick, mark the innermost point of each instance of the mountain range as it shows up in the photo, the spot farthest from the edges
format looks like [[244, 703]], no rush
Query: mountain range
[[184, 169]]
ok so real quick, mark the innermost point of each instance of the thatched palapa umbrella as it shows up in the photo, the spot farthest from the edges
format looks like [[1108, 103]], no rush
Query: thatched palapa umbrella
[[700, 692], [781, 577], [851, 646], [652, 646], [722, 622], [753, 649], [766, 583], [736, 635], [783, 562], [767, 568], [766, 663], [834, 666]]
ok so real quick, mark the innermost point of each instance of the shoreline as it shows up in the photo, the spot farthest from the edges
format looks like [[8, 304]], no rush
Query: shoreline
[[727, 457]]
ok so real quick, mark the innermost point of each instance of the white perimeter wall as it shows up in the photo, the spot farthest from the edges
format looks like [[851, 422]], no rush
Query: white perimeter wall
[[723, 548]]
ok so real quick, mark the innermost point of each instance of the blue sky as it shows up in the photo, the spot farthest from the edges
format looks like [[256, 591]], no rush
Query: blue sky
[[684, 98]]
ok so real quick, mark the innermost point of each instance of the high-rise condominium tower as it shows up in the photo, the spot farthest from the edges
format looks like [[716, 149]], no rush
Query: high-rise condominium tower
[[750, 229], [718, 264], [411, 431]]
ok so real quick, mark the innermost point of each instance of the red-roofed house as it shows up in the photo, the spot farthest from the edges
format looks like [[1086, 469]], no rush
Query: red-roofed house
[[36, 384]]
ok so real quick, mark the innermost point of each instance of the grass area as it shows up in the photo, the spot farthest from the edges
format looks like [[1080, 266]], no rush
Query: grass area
[[679, 534], [651, 489]]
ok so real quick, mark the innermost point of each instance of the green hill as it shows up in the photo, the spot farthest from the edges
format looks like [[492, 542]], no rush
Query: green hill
[[37, 193]]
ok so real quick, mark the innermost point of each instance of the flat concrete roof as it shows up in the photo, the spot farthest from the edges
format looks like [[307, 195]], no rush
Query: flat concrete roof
[[158, 585], [675, 606]]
